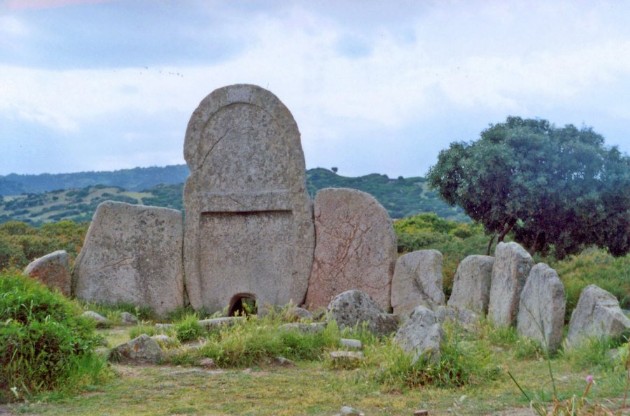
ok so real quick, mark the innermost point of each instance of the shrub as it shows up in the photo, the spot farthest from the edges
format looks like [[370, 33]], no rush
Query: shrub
[[21, 243], [189, 329], [44, 343]]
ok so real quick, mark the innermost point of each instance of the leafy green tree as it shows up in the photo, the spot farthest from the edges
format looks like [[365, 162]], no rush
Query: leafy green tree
[[551, 187]]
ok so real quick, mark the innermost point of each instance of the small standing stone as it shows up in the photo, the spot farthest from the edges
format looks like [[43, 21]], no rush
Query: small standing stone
[[510, 270], [596, 315], [53, 270], [541, 309], [417, 281], [471, 285]]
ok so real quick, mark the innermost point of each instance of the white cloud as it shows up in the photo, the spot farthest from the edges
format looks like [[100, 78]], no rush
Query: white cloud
[[450, 58]]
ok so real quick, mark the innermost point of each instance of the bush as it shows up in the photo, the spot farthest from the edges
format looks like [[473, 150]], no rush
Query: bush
[[594, 266], [44, 343], [21, 243], [189, 329]]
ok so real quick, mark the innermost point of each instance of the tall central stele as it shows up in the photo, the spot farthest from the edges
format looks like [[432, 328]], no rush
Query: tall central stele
[[248, 221]]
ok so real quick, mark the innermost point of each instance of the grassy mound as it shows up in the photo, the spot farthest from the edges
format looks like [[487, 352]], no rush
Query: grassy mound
[[44, 343]]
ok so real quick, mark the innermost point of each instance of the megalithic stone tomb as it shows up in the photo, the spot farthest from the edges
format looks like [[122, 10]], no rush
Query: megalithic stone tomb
[[248, 230]]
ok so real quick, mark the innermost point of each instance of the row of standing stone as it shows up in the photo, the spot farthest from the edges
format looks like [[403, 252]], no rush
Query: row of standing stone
[[512, 291]]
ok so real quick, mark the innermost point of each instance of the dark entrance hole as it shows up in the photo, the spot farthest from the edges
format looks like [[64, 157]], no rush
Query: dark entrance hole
[[243, 304]]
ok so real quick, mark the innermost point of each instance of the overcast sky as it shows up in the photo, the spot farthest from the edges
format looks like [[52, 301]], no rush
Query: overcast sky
[[375, 86]]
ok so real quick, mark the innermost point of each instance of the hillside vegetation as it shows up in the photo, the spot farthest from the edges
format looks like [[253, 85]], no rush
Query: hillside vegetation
[[135, 179], [56, 197]]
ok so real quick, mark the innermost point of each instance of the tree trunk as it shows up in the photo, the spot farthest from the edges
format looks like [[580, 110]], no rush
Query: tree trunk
[[490, 244], [508, 227]]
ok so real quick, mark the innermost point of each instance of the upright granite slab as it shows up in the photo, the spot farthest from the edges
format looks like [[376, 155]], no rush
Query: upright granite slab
[[596, 315], [249, 227], [356, 247], [541, 309], [471, 284], [510, 270], [417, 281], [53, 270], [132, 254]]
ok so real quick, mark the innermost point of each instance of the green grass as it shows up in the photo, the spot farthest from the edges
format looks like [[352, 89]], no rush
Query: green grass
[[386, 383], [594, 266], [44, 342]]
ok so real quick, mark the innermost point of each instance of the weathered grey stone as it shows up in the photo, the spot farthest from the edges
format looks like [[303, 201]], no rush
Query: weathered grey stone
[[140, 350], [471, 285], [213, 323], [541, 310], [164, 341], [351, 411], [311, 328], [509, 273], [53, 270], [355, 249], [417, 281], [353, 307], [597, 315], [351, 343], [207, 363], [284, 362], [100, 320], [128, 319], [346, 358], [421, 335], [466, 318], [132, 254], [249, 226], [299, 313]]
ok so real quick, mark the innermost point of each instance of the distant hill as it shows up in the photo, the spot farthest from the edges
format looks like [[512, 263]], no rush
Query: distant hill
[[136, 179], [52, 197]]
